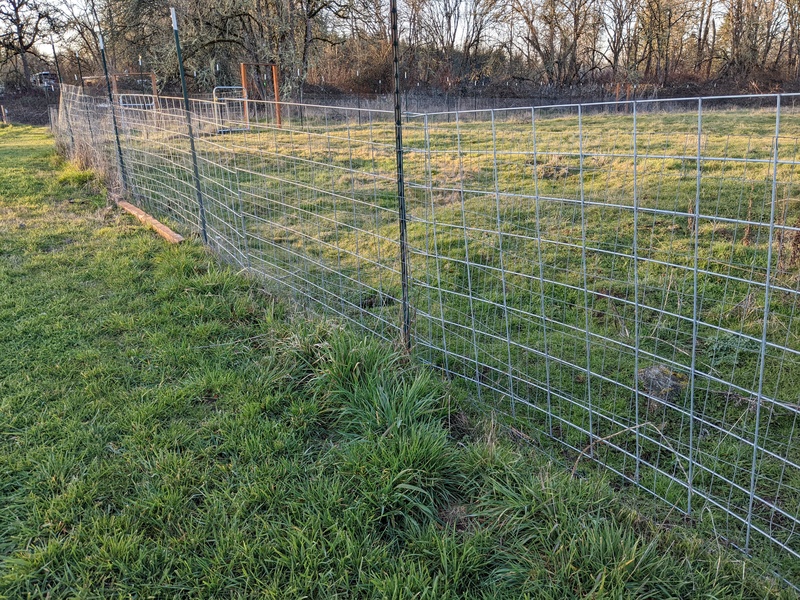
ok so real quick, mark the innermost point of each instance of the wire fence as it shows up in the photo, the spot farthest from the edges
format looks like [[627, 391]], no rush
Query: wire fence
[[620, 279]]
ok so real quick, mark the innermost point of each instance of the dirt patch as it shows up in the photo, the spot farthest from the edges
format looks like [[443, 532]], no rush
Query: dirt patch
[[456, 516], [458, 425]]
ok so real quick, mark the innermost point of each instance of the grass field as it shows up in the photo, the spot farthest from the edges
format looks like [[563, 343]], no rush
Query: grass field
[[167, 429]]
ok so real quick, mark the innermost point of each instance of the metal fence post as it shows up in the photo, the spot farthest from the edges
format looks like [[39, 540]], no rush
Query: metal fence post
[[765, 323], [80, 71], [188, 111], [636, 306], [120, 159], [585, 278], [437, 255], [695, 302], [62, 105], [55, 59], [401, 188], [498, 222], [467, 268], [540, 261], [83, 104], [61, 102]]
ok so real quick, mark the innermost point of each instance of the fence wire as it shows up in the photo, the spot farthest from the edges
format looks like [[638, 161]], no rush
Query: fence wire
[[621, 278]]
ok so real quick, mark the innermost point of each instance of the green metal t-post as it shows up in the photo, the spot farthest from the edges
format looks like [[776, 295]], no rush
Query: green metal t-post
[[401, 188], [121, 160], [61, 103], [189, 125], [80, 71], [55, 59]]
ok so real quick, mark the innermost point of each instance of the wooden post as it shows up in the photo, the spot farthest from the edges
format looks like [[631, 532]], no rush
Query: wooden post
[[627, 97], [243, 69], [114, 86], [156, 102], [276, 88], [147, 220], [3, 114]]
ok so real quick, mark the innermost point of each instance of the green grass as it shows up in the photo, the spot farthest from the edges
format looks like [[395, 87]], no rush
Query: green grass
[[169, 430]]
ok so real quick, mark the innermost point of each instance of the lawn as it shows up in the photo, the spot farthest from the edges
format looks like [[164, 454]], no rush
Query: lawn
[[169, 429]]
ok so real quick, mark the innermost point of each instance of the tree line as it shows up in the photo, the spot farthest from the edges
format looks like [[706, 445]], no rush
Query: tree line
[[446, 45]]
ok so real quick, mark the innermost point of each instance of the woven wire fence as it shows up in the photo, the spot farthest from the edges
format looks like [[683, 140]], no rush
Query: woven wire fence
[[620, 280]]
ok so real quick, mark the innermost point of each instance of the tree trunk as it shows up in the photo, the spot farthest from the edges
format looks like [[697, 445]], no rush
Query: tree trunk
[[26, 68]]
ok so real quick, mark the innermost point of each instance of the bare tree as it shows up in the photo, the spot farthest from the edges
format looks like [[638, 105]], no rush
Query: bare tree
[[444, 42], [22, 24], [564, 34], [793, 42], [752, 33], [619, 27]]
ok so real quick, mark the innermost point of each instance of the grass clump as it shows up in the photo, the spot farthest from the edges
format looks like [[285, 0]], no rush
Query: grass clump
[[168, 430]]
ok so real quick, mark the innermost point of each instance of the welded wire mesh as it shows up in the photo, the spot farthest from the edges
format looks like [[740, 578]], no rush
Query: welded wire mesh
[[620, 279], [83, 126]]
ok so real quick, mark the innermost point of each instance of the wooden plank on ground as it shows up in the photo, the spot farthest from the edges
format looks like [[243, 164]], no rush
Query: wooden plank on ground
[[149, 221]]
